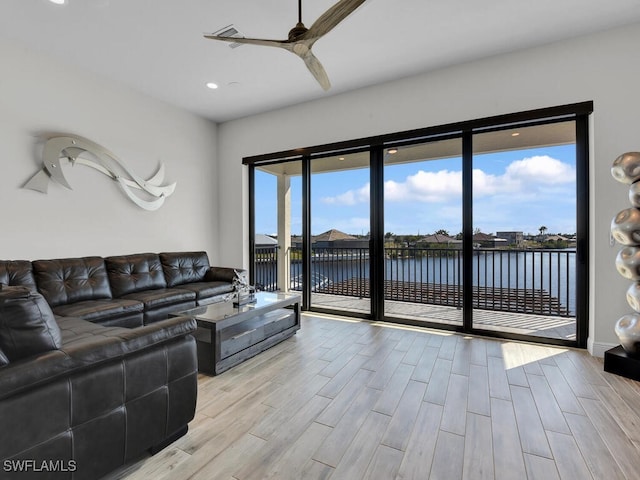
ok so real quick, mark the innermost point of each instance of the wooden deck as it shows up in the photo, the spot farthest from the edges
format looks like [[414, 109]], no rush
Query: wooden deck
[[520, 323], [506, 299]]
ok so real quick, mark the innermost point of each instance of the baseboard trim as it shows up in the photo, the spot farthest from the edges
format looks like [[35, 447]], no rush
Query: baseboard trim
[[597, 349]]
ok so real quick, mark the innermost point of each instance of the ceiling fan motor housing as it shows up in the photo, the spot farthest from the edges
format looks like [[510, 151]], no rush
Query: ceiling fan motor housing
[[296, 31]]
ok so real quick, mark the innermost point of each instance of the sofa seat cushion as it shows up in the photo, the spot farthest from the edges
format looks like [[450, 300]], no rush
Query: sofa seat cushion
[[162, 297], [162, 313], [204, 290], [100, 310], [85, 345]]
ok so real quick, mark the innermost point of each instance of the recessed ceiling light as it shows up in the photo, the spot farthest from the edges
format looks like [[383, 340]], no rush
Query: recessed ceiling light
[[212, 85], [58, 2], [391, 151], [341, 158], [515, 134]]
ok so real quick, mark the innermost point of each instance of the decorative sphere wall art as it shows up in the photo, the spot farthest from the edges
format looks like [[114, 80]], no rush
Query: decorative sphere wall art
[[625, 229], [626, 168], [633, 296], [628, 332], [628, 263], [634, 194]]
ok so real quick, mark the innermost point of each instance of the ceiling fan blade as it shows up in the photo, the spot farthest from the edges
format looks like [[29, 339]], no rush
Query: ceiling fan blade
[[316, 69], [332, 17], [301, 40], [253, 41]]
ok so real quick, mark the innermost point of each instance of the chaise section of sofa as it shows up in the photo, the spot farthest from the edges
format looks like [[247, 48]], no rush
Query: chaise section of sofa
[[103, 398]]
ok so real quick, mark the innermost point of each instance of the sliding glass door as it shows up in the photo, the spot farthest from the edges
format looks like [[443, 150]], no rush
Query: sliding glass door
[[478, 227], [524, 230], [423, 232], [340, 232]]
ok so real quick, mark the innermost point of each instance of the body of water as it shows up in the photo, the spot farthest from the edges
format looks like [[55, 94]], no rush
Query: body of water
[[550, 270]]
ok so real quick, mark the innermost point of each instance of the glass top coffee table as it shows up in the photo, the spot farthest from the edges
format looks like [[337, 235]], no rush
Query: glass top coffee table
[[228, 335]]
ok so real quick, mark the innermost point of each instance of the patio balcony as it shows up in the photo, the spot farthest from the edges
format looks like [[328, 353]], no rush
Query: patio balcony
[[530, 292]]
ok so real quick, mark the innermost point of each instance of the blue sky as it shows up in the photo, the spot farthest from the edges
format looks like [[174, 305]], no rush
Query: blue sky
[[514, 190]]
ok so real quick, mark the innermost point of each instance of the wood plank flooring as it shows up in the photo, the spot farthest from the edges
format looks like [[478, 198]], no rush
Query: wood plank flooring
[[353, 400]]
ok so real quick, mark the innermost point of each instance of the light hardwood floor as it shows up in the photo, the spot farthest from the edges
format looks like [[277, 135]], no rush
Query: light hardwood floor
[[355, 400]]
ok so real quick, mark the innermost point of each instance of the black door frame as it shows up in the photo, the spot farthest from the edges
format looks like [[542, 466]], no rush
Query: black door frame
[[578, 112]]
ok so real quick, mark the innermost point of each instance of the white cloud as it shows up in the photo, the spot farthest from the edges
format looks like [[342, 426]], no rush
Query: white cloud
[[346, 198], [350, 197], [425, 187], [443, 186], [521, 177], [540, 170]]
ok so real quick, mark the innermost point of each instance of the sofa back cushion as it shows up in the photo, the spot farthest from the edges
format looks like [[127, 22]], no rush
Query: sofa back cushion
[[17, 272], [134, 273], [184, 267], [27, 324], [72, 280]]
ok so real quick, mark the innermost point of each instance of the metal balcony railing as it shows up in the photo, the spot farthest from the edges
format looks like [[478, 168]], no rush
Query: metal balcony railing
[[520, 281], [266, 268]]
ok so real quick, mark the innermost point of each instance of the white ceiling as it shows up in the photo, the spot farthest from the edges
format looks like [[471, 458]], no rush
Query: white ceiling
[[156, 46]]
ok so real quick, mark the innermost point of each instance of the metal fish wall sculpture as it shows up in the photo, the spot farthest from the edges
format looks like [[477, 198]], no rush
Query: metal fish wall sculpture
[[71, 147]]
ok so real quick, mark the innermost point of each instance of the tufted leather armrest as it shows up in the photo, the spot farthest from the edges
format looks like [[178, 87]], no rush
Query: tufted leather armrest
[[222, 274], [86, 345]]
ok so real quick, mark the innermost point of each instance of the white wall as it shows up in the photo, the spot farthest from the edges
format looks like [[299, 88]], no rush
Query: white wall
[[602, 67], [40, 96]]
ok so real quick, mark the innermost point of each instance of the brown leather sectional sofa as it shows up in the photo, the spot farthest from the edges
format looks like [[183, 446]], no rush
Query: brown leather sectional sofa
[[92, 372]]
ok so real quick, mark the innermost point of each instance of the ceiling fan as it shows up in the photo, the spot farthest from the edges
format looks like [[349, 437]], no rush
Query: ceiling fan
[[301, 38]]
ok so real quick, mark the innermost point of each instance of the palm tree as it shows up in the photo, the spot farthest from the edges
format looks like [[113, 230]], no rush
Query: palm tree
[[542, 230]]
